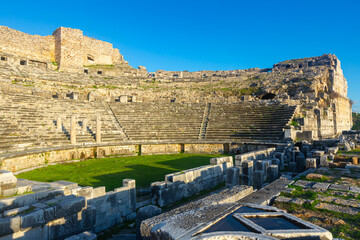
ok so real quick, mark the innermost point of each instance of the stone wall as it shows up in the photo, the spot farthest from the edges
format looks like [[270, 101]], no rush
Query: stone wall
[[64, 210], [97, 52], [68, 47], [28, 46], [32, 159], [190, 182], [255, 155]]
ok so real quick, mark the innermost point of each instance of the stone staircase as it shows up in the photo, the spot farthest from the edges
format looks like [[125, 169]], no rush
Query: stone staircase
[[248, 121], [29, 122], [160, 121]]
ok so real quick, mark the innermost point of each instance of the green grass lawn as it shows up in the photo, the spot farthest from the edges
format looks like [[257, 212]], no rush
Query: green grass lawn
[[110, 172]]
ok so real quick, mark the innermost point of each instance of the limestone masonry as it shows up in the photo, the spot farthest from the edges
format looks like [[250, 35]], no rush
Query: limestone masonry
[[67, 90], [68, 97]]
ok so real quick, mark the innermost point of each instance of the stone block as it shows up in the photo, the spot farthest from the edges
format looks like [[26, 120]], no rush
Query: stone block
[[304, 184], [298, 201], [341, 187], [318, 153], [88, 218], [233, 176], [292, 167], [83, 236], [300, 164], [32, 219], [7, 180], [273, 173], [275, 161], [282, 199], [15, 211], [321, 186], [145, 213], [221, 160], [247, 172], [129, 183], [98, 192], [69, 207], [9, 225], [9, 192], [310, 163], [86, 192], [48, 194], [333, 150], [65, 227], [355, 189], [258, 179], [336, 208], [49, 214], [323, 161], [67, 184]]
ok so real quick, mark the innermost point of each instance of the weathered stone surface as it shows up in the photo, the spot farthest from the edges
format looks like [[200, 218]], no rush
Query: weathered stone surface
[[258, 179], [83, 236], [342, 187], [7, 180], [355, 189], [145, 213], [273, 173], [304, 184], [336, 208], [9, 225], [32, 219], [282, 199], [321, 186], [310, 163], [233, 176], [69, 207]]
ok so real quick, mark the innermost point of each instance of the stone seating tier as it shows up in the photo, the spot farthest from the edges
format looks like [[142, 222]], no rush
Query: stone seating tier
[[30, 122]]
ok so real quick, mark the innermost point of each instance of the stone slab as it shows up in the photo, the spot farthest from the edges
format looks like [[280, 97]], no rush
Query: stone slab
[[336, 208], [321, 185], [304, 184], [340, 187]]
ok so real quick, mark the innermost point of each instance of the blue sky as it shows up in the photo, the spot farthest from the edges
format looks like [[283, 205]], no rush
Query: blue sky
[[212, 35]]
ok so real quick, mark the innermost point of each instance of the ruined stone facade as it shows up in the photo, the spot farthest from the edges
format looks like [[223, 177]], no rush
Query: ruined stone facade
[[68, 48], [69, 65]]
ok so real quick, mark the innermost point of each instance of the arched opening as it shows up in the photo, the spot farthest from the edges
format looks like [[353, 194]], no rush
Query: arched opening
[[268, 96]]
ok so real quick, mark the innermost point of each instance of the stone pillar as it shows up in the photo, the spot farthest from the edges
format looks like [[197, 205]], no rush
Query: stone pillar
[[258, 179], [98, 129], [275, 161], [233, 176], [261, 165], [73, 129], [281, 157], [84, 124], [292, 167], [59, 124], [247, 172], [300, 164], [273, 173], [131, 184]]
